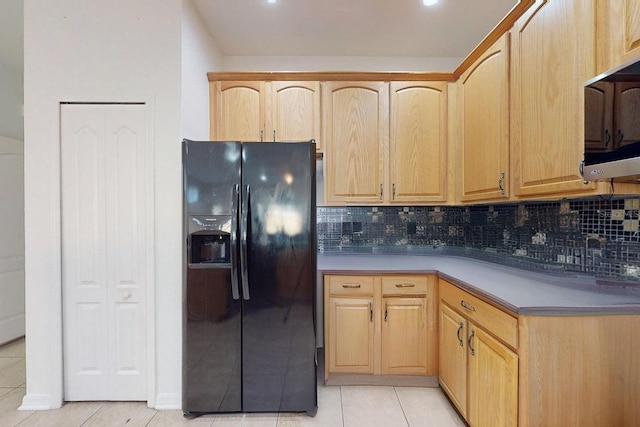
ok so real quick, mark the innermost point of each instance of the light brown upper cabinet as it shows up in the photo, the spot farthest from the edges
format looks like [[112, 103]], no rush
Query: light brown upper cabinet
[[553, 55], [418, 142], [266, 111], [484, 125], [382, 154], [237, 110], [618, 32], [294, 111], [356, 123]]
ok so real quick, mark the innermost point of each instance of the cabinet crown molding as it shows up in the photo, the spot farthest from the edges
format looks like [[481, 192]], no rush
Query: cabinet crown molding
[[330, 76]]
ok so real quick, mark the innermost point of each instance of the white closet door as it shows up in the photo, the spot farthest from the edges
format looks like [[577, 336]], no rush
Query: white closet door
[[103, 263]]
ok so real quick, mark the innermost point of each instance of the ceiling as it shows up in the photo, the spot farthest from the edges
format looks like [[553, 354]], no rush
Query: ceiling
[[375, 28], [382, 28]]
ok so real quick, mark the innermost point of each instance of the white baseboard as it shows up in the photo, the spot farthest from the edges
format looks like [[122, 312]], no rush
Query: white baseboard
[[168, 401], [38, 402]]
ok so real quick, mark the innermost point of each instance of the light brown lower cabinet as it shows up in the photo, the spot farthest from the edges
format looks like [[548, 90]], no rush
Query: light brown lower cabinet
[[500, 369], [380, 325], [478, 370]]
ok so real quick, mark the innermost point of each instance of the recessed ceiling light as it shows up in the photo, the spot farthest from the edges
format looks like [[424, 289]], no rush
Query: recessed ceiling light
[[429, 2], [273, 1]]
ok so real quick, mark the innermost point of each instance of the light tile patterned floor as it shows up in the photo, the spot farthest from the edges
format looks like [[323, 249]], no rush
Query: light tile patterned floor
[[338, 406]]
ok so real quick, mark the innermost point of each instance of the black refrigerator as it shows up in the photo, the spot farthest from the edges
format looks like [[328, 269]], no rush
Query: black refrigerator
[[249, 277]]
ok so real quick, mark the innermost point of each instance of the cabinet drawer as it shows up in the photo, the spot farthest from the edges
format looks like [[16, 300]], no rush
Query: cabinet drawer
[[499, 323], [349, 285], [404, 285]]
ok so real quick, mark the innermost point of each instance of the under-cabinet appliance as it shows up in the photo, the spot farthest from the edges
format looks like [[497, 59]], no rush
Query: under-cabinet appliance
[[612, 125], [249, 277]]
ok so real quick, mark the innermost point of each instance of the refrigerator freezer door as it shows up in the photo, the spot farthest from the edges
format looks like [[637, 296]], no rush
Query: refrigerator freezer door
[[278, 356], [212, 312]]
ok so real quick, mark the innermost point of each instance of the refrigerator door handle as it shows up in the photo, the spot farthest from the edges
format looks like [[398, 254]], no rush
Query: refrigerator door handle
[[235, 290], [244, 271]]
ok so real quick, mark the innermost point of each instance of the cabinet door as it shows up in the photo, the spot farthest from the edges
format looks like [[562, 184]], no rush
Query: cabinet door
[[626, 101], [351, 329], [356, 139], [238, 111], [484, 95], [294, 111], [618, 32], [453, 356], [552, 57], [493, 382], [404, 336], [418, 142]]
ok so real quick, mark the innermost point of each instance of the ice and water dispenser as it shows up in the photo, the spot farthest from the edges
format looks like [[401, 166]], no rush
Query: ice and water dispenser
[[209, 240]]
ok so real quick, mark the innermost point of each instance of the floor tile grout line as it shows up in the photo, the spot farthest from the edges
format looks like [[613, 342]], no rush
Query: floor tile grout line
[[404, 414], [342, 408]]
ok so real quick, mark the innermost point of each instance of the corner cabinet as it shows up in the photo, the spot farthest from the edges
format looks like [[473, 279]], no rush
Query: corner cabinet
[[484, 113], [386, 143], [478, 362], [380, 325], [553, 55], [559, 368], [265, 111]]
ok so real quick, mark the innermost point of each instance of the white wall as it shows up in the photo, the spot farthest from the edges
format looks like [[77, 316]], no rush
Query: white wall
[[78, 50], [11, 240], [339, 63], [11, 101], [200, 55]]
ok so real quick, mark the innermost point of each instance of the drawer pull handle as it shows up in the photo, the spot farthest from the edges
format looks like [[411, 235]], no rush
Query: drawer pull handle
[[351, 285], [467, 305], [460, 326], [470, 342], [405, 285]]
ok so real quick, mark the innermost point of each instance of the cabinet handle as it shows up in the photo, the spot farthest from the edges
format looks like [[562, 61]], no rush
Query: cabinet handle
[[607, 138], [393, 191], [620, 136], [350, 285], [385, 312], [380, 191], [405, 285], [370, 311], [470, 342], [261, 135], [500, 181], [274, 135], [467, 305], [460, 326]]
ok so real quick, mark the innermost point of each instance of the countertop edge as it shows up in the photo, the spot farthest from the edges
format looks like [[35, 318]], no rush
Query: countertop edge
[[533, 310]]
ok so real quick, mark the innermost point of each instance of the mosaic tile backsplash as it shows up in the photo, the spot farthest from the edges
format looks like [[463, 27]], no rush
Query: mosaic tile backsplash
[[596, 237]]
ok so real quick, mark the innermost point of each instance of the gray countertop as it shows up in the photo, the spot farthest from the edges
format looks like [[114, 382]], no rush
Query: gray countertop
[[519, 291]]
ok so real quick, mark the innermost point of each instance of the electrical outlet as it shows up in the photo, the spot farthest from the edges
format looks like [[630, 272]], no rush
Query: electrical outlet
[[631, 270], [617, 214]]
